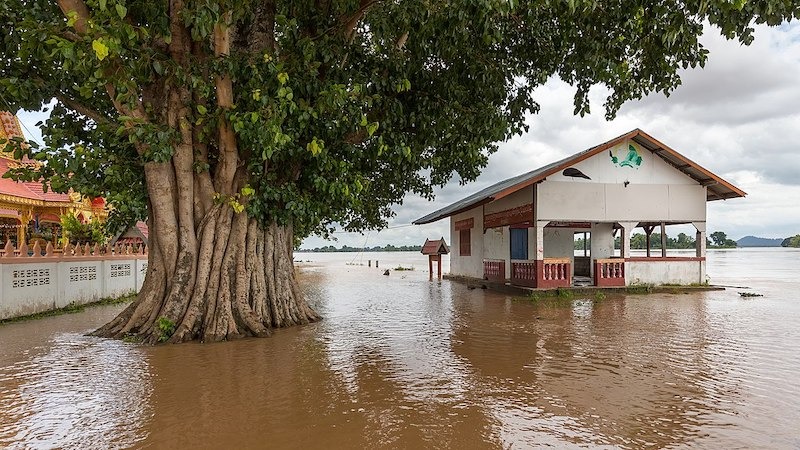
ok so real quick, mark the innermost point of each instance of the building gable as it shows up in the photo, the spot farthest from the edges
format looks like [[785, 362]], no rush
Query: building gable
[[628, 161]]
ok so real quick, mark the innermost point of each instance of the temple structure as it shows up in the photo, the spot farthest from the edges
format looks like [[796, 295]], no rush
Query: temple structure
[[522, 230], [27, 212]]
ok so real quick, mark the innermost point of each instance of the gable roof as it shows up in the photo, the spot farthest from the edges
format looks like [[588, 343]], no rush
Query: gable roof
[[717, 188], [437, 247]]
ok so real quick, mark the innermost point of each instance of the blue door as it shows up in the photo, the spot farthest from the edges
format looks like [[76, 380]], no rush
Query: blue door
[[519, 243]]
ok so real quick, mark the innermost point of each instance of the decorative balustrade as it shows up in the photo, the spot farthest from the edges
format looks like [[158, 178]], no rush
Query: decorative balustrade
[[609, 272], [523, 273], [69, 251], [37, 279], [555, 273], [494, 270]]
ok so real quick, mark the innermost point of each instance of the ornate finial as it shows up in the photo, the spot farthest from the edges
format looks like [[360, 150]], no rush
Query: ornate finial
[[77, 251], [23, 250], [87, 250], [9, 249], [48, 250], [37, 250], [96, 249]]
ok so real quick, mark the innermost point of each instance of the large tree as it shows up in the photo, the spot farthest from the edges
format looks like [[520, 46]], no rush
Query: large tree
[[238, 126]]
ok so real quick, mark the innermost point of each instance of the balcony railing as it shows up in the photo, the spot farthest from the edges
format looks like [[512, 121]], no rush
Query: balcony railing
[[555, 273], [609, 272], [494, 270], [523, 273]]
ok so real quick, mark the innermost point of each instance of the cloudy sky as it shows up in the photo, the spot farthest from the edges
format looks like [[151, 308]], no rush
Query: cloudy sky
[[739, 117]]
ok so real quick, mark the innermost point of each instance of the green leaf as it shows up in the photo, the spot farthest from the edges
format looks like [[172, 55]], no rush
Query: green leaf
[[121, 10], [103, 5], [315, 147], [100, 49], [372, 128], [247, 191], [201, 109], [72, 17], [283, 77]]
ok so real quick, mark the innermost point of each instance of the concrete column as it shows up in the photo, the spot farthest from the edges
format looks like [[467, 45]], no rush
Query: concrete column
[[625, 241], [602, 242], [507, 250], [539, 242], [700, 238]]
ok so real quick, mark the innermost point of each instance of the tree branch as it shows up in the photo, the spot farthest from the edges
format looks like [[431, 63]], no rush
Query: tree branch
[[83, 109], [228, 154], [78, 7], [349, 23]]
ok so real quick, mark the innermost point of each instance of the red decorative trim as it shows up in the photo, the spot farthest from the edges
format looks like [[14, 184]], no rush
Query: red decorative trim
[[465, 224]]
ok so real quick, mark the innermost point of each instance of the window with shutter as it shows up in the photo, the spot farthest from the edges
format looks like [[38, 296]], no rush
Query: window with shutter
[[464, 240]]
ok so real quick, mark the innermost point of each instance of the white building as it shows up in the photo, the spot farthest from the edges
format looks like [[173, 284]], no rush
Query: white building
[[522, 229]]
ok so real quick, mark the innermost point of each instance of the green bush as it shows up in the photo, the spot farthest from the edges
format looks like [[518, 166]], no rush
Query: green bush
[[92, 232]]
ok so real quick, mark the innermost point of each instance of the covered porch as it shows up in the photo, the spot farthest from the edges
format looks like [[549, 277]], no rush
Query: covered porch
[[555, 254]]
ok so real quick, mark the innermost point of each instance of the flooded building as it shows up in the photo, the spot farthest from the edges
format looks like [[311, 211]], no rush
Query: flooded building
[[522, 230]]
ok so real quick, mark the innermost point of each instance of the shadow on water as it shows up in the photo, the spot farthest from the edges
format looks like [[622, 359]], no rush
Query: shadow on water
[[401, 362]]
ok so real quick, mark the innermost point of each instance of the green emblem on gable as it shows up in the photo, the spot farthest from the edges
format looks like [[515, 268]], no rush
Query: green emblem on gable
[[632, 159]]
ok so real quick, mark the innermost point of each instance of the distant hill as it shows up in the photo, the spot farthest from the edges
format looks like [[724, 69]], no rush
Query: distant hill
[[752, 241]]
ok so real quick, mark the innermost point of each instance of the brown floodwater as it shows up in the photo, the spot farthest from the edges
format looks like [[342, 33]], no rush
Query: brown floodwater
[[401, 362]]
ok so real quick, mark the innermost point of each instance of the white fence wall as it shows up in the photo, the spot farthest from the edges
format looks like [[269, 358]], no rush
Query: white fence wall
[[31, 285]]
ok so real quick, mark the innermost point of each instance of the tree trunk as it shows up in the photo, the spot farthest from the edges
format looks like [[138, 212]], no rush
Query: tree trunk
[[240, 282]]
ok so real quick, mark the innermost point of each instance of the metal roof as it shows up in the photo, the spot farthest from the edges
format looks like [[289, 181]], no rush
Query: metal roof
[[717, 188]]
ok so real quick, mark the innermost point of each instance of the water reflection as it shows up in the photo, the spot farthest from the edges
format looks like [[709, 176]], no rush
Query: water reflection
[[98, 388], [400, 362]]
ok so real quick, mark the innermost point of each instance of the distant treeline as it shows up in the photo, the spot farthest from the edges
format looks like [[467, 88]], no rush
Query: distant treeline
[[717, 239], [793, 241], [346, 248]]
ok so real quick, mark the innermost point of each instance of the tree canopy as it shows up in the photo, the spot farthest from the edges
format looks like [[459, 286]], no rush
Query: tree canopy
[[338, 107]]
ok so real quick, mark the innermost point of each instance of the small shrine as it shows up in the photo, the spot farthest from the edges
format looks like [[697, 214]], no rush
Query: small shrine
[[435, 250]]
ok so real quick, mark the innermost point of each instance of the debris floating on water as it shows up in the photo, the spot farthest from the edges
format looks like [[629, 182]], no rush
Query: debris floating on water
[[750, 294]]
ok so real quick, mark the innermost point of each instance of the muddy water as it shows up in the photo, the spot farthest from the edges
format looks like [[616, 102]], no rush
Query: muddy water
[[400, 362]]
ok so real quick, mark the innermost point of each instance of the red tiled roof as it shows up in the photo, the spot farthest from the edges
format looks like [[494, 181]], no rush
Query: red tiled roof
[[29, 189], [142, 227], [437, 247]]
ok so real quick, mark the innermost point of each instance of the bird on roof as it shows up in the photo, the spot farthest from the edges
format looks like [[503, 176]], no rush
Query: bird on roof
[[575, 173]]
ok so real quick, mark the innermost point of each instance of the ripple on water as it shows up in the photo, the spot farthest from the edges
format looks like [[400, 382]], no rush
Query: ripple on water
[[83, 392]]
